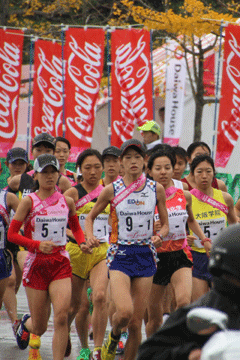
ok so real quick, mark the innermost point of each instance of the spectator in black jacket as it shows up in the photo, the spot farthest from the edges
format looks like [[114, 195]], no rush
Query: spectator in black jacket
[[174, 340]]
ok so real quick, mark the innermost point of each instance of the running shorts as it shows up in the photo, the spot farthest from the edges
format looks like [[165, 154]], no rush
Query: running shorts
[[41, 269], [132, 260], [200, 266], [5, 264], [83, 263], [169, 263]]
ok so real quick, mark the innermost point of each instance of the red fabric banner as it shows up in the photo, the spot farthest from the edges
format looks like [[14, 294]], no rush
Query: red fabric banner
[[229, 113], [131, 82], [84, 54], [11, 44], [209, 75], [47, 89]]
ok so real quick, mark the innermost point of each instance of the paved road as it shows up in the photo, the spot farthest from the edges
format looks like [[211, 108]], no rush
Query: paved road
[[9, 349]]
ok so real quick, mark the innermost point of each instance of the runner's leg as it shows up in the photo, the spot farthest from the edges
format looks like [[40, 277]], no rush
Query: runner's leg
[[99, 283], [182, 285], [140, 289], [60, 294], [155, 309]]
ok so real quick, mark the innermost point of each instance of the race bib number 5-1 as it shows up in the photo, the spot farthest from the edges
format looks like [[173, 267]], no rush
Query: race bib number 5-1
[[51, 228]]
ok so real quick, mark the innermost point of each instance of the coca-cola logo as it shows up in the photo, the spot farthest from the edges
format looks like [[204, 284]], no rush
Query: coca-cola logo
[[84, 68], [231, 128], [132, 71], [10, 55], [49, 81]]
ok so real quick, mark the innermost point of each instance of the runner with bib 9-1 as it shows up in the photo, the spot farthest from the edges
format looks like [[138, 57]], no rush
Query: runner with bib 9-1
[[131, 256]]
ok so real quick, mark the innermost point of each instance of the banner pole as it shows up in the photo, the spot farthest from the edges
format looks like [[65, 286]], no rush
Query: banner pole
[[217, 91], [30, 101], [63, 78], [151, 55], [109, 85]]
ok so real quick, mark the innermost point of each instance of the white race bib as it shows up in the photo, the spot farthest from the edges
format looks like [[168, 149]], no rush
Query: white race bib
[[51, 228], [211, 229]]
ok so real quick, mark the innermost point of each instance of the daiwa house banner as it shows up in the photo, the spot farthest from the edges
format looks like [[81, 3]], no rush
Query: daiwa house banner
[[229, 112], [11, 44], [132, 97], [175, 87], [47, 89], [84, 54]]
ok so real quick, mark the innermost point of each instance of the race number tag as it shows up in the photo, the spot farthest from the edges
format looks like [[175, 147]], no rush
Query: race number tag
[[211, 229], [100, 226], [51, 228]]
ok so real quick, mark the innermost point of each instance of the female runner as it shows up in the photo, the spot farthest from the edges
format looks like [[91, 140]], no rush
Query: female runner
[[212, 208], [175, 260], [8, 202], [47, 270], [195, 149], [17, 163], [91, 266], [131, 256]]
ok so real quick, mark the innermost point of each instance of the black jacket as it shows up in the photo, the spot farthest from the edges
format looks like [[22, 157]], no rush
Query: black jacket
[[174, 341]]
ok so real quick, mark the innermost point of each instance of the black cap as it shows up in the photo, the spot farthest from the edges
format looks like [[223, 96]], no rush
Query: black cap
[[133, 143], [44, 160], [17, 154], [46, 138], [111, 150]]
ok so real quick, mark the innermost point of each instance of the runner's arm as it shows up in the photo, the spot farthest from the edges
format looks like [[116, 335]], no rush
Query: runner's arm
[[74, 222], [14, 183], [193, 224], [231, 216], [221, 185], [23, 210], [64, 184], [162, 210], [12, 201]]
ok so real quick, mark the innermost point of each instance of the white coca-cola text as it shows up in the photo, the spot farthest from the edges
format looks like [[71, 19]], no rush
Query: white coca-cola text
[[231, 129], [133, 96], [49, 81], [9, 89], [86, 82]]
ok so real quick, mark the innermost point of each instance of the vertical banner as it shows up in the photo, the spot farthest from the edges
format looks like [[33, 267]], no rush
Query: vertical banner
[[11, 44], [84, 54], [229, 112], [47, 89], [132, 97], [175, 86]]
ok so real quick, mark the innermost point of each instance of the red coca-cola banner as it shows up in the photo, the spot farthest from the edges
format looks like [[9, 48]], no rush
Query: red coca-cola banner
[[84, 54], [229, 113], [131, 82], [47, 89], [11, 44]]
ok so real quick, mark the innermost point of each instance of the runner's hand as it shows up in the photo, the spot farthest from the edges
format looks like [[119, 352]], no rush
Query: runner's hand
[[85, 248], [47, 246], [157, 226], [207, 247], [195, 354], [93, 242], [190, 239], [157, 241]]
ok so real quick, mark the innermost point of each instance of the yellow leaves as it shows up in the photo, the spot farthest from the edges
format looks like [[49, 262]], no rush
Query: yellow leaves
[[195, 18]]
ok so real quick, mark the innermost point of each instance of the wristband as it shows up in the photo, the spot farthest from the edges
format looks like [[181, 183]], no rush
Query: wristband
[[204, 240], [161, 237]]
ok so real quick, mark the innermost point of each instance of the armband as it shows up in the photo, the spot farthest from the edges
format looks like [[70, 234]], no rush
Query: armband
[[76, 229], [204, 240]]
